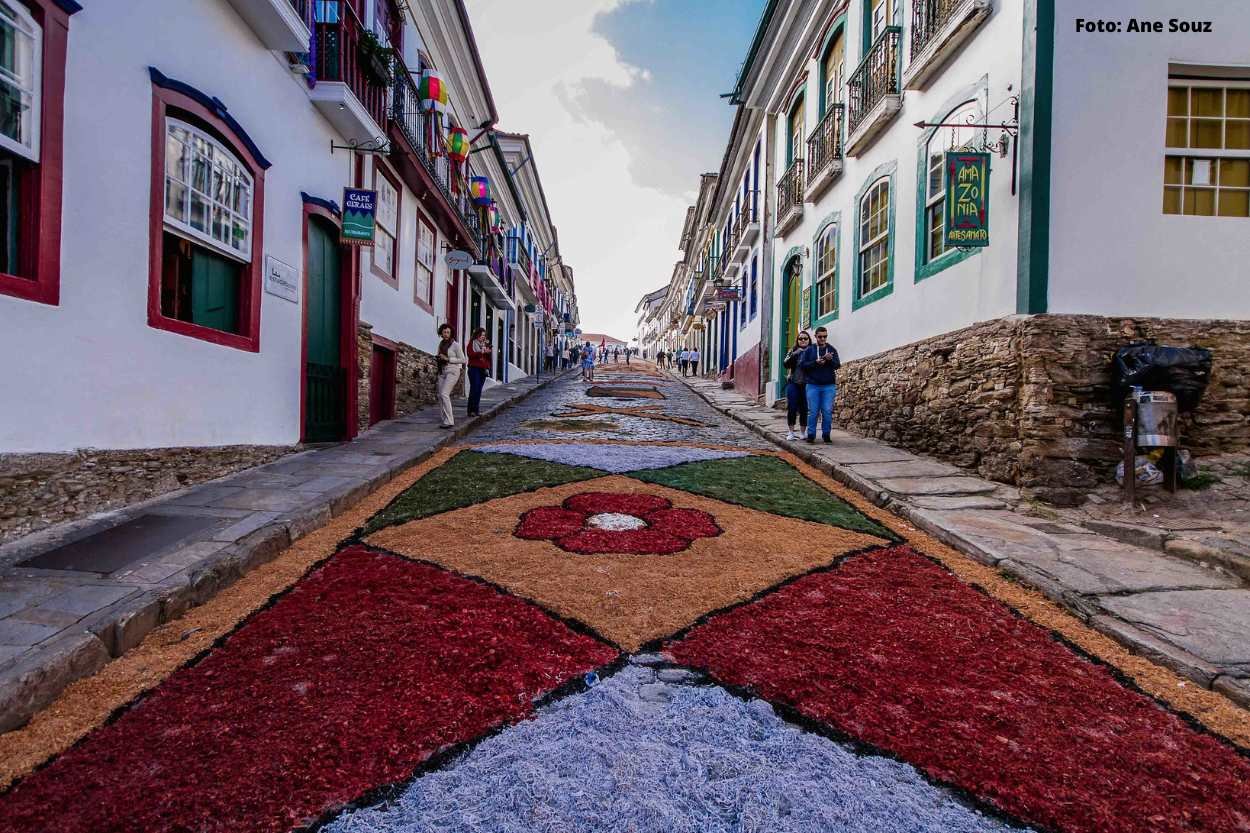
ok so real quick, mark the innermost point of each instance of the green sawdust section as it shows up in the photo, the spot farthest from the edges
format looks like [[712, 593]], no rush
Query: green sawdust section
[[473, 477], [767, 484]]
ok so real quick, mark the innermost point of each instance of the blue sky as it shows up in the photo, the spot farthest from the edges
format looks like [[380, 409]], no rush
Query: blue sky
[[672, 117], [621, 100]]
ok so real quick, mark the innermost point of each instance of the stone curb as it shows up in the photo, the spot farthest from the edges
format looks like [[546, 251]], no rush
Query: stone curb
[[33, 681], [1085, 609]]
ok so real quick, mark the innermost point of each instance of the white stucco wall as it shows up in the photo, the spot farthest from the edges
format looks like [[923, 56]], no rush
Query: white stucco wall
[[94, 374], [980, 287], [1113, 250]]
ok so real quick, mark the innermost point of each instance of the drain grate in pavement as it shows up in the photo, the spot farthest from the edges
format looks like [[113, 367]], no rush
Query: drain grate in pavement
[[121, 545]]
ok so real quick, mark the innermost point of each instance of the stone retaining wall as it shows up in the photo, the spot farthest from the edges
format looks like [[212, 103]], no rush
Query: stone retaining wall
[[38, 490], [1026, 399]]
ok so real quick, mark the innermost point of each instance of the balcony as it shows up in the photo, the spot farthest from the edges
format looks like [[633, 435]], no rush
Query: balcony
[[414, 126], [790, 197], [873, 88], [749, 226], [348, 91], [280, 24], [939, 28], [520, 269], [492, 276], [824, 153]]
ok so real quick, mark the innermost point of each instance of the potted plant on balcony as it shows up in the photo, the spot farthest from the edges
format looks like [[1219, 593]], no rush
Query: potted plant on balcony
[[375, 58]]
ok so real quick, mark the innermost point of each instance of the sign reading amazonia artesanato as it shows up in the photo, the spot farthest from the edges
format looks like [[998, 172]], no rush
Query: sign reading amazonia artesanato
[[360, 209], [967, 210]]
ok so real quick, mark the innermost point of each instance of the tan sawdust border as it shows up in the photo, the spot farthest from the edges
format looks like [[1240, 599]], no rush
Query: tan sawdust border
[[87, 703]]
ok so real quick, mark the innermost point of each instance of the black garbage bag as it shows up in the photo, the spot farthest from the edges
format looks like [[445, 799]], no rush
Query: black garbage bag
[[1182, 371]]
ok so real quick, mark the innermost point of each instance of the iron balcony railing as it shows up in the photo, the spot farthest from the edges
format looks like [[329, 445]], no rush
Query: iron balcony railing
[[339, 56], [824, 146], [495, 260], [518, 254], [790, 188], [422, 134], [928, 17], [875, 78], [301, 8]]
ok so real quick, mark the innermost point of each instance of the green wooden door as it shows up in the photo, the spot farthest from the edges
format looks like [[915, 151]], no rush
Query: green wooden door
[[325, 379], [214, 291]]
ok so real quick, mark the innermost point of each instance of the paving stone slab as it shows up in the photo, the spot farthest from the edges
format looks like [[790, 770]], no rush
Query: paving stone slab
[[948, 503], [848, 453], [908, 469], [1213, 624], [1157, 650], [80, 601], [14, 631], [270, 500], [937, 485], [1086, 564], [1235, 689]]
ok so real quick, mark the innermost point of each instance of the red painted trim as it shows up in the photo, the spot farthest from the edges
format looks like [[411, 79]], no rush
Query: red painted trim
[[391, 279], [250, 296], [386, 343], [39, 257]]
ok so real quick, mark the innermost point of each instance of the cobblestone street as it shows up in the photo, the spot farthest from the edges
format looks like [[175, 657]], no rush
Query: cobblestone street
[[613, 607]]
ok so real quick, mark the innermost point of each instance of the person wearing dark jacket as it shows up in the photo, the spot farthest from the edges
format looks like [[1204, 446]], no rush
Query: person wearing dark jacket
[[820, 365], [796, 388]]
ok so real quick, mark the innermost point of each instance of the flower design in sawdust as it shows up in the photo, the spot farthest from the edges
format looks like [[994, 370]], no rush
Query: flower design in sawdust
[[594, 523]]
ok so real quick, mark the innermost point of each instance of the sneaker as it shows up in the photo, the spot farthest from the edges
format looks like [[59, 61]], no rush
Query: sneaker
[[809, 439], [826, 439], [791, 436]]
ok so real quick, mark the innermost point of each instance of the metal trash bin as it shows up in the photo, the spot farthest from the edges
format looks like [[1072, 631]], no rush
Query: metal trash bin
[[1156, 419]]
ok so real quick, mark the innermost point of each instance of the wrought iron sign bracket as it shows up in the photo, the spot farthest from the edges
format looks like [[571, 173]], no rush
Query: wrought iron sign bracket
[[378, 144]]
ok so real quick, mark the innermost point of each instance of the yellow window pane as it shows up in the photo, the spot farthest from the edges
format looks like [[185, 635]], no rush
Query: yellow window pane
[[1208, 102], [1171, 201], [1178, 101], [1207, 133], [1176, 133], [1173, 170], [1200, 201], [1238, 103], [1237, 134], [1235, 172], [1235, 203]]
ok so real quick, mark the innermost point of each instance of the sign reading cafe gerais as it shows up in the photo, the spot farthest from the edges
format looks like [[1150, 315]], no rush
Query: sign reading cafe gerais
[[967, 210], [360, 212]]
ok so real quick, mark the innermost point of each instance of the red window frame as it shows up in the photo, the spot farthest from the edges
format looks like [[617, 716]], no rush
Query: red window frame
[[426, 303], [39, 186], [390, 278], [183, 106]]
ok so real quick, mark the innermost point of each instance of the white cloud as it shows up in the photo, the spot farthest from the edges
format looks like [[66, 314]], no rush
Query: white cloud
[[620, 237]]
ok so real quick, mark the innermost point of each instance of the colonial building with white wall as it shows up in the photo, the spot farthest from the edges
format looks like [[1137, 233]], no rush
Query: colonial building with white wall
[[1118, 209], [177, 232]]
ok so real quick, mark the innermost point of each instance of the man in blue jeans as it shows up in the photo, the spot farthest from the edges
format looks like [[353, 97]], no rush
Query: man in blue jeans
[[820, 365]]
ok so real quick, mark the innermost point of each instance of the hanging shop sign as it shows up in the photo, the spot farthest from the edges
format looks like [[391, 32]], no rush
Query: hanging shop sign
[[360, 215], [967, 209], [458, 259], [728, 294]]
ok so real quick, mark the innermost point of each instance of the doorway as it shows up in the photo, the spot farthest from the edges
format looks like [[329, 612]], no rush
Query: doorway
[[792, 301], [381, 385], [325, 379], [501, 346]]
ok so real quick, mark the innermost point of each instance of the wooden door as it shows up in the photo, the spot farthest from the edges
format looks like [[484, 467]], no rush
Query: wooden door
[[325, 417]]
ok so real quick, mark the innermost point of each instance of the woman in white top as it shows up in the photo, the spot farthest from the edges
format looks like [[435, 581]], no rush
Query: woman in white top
[[451, 360]]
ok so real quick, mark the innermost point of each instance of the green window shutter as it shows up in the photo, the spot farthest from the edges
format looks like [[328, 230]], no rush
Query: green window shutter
[[214, 291]]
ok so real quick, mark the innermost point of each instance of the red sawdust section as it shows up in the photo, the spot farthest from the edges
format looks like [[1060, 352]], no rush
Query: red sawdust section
[[88, 702], [643, 411], [1210, 708], [893, 650], [629, 599], [369, 666]]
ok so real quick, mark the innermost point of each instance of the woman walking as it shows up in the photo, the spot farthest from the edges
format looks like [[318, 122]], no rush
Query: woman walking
[[479, 366], [450, 360], [796, 388], [588, 363]]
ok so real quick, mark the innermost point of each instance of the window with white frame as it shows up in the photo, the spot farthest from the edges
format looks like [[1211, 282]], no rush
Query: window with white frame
[[21, 41], [834, 67], [827, 272], [1207, 159], [385, 243], [208, 192], [797, 130], [961, 135], [425, 261], [874, 238]]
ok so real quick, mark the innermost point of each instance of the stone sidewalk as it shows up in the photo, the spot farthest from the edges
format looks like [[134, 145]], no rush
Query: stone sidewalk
[[119, 574], [1191, 617]]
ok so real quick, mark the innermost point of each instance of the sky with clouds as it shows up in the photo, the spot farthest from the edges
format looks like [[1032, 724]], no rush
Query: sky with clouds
[[621, 99]]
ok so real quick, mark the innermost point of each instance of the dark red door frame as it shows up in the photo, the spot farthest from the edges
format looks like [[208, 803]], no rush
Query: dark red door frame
[[348, 314]]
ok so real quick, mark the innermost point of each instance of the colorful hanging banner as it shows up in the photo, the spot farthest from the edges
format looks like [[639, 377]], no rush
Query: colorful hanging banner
[[457, 144], [360, 209], [479, 190], [432, 92], [967, 208]]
